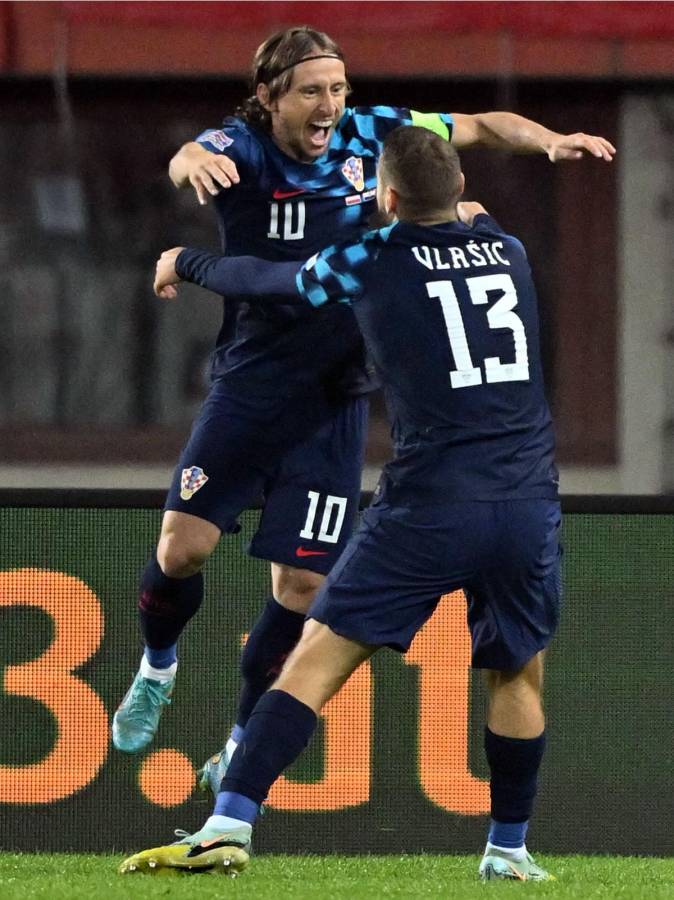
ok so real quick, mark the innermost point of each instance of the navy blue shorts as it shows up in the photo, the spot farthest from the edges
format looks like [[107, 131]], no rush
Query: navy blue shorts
[[505, 555], [302, 458]]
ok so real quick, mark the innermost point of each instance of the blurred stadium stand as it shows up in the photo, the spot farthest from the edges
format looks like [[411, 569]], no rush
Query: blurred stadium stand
[[597, 40], [99, 381]]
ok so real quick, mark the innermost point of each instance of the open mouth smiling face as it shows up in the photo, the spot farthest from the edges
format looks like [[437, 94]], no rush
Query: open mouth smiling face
[[303, 119], [320, 132]]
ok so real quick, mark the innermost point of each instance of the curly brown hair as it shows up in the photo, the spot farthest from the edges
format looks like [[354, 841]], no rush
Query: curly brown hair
[[273, 65]]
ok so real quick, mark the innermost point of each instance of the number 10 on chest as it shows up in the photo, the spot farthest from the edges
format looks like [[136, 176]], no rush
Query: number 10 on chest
[[290, 217]]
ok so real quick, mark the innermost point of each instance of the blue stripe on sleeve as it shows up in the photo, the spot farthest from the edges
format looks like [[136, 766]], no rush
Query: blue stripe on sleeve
[[374, 123], [312, 291], [337, 273], [347, 281]]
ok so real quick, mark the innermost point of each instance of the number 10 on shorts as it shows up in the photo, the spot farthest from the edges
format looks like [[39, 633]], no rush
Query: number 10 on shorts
[[334, 510]]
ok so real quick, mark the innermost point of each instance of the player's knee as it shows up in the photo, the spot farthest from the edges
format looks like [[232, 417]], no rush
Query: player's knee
[[515, 694], [295, 589], [185, 544], [179, 558]]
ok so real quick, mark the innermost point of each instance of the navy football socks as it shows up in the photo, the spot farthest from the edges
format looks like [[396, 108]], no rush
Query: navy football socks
[[165, 606], [514, 764], [278, 729], [270, 641]]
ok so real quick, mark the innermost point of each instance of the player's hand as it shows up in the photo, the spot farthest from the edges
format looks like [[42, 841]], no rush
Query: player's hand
[[209, 173], [165, 276], [575, 146], [467, 210]]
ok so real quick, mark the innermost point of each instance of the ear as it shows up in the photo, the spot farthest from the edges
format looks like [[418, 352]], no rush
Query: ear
[[462, 184], [262, 94], [391, 200]]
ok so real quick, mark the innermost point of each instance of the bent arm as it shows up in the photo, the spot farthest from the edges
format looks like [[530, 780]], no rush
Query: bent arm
[[184, 161], [508, 131], [207, 172], [241, 277]]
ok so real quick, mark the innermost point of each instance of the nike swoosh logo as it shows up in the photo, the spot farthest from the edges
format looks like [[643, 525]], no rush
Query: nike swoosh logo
[[224, 840], [302, 552], [284, 195], [216, 840]]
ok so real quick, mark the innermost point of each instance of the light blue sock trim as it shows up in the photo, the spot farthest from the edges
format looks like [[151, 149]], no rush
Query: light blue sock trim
[[236, 806], [161, 659], [509, 835]]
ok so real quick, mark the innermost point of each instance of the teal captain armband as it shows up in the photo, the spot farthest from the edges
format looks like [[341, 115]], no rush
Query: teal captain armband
[[432, 121]]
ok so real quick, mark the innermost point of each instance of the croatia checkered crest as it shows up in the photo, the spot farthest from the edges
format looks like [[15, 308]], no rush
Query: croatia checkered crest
[[191, 480], [352, 170]]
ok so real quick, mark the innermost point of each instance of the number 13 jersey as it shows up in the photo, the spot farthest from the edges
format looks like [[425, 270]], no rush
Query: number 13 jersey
[[449, 315]]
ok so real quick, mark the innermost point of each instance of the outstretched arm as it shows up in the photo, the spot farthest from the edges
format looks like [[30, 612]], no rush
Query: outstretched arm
[[329, 276], [508, 131], [234, 276]]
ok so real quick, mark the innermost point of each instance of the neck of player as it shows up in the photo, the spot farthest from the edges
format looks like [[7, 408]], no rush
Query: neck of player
[[436, 217]]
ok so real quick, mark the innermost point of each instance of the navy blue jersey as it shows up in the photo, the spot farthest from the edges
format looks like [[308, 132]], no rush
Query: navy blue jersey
[[449, 315], [284, 210]]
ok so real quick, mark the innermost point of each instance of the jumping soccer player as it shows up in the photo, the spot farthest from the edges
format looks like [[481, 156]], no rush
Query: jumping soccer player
[[286, 413], [446, 304]]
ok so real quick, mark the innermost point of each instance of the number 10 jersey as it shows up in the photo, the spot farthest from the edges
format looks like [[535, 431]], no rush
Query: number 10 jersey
[[285, 210]]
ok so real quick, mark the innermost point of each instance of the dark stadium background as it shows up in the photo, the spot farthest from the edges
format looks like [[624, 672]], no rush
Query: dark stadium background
[[95, 99]]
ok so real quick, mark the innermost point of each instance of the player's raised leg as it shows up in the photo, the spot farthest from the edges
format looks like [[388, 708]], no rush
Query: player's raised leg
[[213, 482], [514, 744], [171, 591]]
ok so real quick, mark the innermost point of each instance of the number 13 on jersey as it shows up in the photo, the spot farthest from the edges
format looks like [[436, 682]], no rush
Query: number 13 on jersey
[[500, 315]]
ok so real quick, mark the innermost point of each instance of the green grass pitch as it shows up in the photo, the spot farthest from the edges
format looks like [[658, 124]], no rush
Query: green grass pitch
[[72, 876]]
